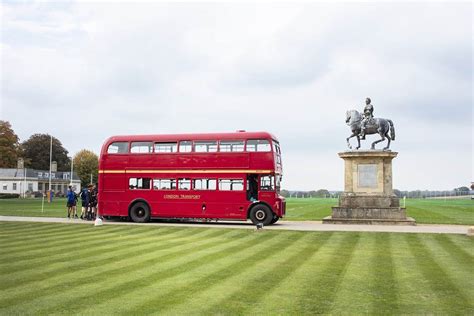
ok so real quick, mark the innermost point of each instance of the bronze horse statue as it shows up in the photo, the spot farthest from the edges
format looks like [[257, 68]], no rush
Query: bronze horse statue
[[373, 126]]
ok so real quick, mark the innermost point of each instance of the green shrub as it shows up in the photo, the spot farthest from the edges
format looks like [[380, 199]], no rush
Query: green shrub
[[9, 196]]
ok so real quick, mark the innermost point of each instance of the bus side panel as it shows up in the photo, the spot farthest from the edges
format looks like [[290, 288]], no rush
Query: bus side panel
[[223, 160], [111, 195], [176, 203], [259, 160], [228, 204]]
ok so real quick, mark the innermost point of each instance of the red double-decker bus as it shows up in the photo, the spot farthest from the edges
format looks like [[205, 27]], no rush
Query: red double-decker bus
[[231, 176]]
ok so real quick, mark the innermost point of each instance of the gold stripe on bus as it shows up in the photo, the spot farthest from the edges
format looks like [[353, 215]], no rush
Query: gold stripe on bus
[[111, 171], [186, 171]]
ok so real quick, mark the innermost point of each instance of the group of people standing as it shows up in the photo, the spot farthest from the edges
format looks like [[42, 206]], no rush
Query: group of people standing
[[88, 201]]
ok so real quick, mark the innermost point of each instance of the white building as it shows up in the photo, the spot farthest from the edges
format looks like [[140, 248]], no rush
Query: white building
[[26, 182]]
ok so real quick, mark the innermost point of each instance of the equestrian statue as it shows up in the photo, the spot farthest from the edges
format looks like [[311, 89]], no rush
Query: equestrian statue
[[366, 124]]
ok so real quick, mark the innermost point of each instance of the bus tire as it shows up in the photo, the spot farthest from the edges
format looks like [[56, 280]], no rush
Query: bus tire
[[275, 219], [140, 212], [261, 214]]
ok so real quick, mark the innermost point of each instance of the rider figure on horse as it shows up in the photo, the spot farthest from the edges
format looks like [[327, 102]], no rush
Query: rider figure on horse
[[368, 116]]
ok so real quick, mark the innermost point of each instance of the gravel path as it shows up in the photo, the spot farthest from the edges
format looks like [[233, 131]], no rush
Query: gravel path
[[283, 225]]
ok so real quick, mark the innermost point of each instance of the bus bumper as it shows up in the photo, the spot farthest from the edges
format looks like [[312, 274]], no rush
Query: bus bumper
[[280, 207]]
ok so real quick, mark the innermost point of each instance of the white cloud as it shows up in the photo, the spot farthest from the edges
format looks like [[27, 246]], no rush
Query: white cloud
[[86, 71]]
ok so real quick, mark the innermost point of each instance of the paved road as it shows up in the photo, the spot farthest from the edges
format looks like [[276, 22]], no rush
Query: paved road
[[283, 225]]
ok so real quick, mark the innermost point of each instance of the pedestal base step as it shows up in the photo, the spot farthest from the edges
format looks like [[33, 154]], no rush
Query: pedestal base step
[[369, 221]]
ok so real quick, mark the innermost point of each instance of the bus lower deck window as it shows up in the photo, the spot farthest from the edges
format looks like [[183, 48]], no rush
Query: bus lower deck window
[[139, 183], [267, 183], [205, 184], [164, 184], [184, 184], [231, 184]]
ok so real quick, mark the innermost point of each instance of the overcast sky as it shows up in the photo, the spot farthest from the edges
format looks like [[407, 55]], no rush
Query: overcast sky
[[85, 71]]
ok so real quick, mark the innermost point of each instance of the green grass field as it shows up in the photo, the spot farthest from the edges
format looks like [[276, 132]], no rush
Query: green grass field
[[82, 269], [428, 211], [425, 211]]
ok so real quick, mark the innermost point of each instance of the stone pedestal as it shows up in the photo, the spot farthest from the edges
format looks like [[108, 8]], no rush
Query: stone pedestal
[[368, 194]]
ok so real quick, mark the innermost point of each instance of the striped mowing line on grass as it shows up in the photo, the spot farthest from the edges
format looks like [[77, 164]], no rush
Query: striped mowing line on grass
[[384, 287], [219, 271], [143, 270], [69, 238], [74, 291], [455, 262], [440, 283], [268, 275], [51, 231], [163, 277], [36, 271], [353, 289], [461, 256], [222, 291], [19, 235], [56, 253], [87, 274], [72, 239], [327, 282]]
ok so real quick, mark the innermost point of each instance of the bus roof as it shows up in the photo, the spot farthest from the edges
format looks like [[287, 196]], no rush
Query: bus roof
[[194, 136]]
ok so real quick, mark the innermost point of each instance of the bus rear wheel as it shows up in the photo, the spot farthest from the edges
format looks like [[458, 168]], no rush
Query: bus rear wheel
[[140, 212], [261, 214]]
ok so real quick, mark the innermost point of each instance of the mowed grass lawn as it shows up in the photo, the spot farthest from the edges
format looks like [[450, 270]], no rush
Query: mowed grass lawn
[[82, 269], [425, 211]]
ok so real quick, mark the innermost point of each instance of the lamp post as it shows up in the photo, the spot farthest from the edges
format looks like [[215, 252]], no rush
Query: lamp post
[[50, 163], [72, 168]]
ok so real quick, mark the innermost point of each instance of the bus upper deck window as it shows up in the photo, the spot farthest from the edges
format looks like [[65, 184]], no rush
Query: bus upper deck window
[[118, 148], [232, 146], [261, 145], [166, 147], [205, 146], [141, 147], [185, 146]]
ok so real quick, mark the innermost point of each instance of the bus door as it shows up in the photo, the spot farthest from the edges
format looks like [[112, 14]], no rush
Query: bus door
[[252, 187]]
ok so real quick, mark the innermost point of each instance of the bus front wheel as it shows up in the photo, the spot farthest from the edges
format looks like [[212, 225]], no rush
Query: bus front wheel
[[140, 212], [275, 219], [261, 214]]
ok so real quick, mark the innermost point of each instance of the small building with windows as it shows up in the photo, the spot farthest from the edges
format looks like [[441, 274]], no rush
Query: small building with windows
[[27, 182]]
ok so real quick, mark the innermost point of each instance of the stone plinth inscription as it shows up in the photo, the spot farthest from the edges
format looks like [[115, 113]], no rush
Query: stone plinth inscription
[[367, 175]]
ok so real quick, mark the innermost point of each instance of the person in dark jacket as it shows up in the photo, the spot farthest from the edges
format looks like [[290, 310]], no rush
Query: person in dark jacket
[[92, 193], [84, 202], [71, 202]]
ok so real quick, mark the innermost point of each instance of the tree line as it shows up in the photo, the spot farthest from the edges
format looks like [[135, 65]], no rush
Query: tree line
[[35, 153]]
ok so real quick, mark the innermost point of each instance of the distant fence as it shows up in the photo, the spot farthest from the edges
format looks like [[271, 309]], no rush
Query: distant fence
[[401, 194]]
